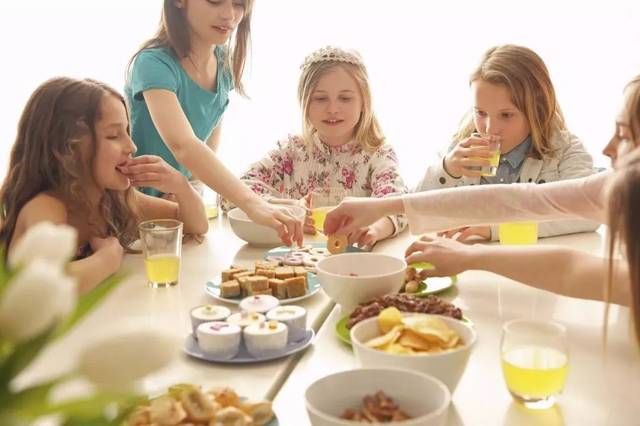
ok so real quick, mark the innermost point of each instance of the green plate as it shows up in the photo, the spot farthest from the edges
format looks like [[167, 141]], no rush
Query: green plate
[[433, 285], [344, 334]]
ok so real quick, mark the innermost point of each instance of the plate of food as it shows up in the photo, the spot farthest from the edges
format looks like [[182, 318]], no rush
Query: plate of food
[[431, 285], [189, 404], [306, 256], [195, 349], [288, 283], [428, 304]]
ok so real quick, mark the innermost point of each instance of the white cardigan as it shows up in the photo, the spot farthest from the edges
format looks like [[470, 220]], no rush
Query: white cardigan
[[569, 160]]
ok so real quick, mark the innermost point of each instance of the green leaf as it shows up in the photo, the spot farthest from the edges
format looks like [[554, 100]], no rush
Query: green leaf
[[22, 355], [85, 409], [88, 301]]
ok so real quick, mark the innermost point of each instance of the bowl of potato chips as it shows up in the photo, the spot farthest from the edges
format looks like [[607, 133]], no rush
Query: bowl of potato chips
[[432, 344]]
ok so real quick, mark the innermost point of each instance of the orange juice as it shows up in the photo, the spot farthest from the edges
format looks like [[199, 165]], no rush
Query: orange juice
[[492, 168], [319, 214], [518, 233], [162, 269], [534, 372]]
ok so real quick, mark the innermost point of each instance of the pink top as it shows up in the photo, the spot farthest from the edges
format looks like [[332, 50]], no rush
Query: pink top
[[486, 204]]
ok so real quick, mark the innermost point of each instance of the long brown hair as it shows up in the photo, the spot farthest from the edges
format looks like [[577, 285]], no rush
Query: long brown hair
[[624, 206], [54, 151], [173, 34], [525, 74]]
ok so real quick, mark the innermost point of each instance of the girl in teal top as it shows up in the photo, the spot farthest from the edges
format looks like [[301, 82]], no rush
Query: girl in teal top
[[177, 88]]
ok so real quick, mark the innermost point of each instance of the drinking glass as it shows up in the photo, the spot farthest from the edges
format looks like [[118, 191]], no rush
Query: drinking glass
[[162, 244], [494, 148], [535, 361], [518, 233]]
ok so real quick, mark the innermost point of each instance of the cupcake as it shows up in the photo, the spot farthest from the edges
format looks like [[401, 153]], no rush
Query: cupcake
[[219, 339], [207, 313], [294, 317], [244, 319], [265, 338], [259, 303]]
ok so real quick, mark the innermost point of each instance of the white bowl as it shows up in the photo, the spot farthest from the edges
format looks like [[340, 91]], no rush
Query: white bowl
[[447, 366], [376, 274], [423, 397], [255, 234]]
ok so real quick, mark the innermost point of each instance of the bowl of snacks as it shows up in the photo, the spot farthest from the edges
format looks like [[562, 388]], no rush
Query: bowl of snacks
[[432, 344], [189, 404], [387, 396], [352, 278], [255, 234]]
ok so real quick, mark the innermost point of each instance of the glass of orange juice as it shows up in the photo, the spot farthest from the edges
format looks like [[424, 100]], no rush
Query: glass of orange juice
[[162, 244], [494, 159], [323, 201], [535, 361], [518, 233]]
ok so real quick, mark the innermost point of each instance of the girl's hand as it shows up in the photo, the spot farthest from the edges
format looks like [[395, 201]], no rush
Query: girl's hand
[[309, 224], [110, 249], [449, 257], [278, 217], [468, 234], [365, 237], [353, 214], [153, 171], [468, 153]]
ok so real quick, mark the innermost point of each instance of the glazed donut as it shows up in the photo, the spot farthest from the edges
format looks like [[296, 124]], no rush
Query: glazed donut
[[319, 251], [276, 259], [337, 243], [292, 261]]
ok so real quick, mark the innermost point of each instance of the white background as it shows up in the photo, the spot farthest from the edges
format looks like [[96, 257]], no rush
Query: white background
[[419, 55]]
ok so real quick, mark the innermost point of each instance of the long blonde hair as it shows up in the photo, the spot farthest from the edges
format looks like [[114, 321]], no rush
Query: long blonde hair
[[50, 153], [624, 208], [173, 33], [525, 74], [367, 131]]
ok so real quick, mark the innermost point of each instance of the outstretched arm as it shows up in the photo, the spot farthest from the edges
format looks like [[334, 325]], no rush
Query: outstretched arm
[[575, 273]]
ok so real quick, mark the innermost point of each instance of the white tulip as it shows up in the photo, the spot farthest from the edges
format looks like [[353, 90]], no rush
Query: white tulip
[[116, 361], [56, 243], [38, 297]]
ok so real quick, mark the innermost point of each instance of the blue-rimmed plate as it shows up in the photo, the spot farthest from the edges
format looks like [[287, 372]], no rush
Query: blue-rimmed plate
[[191, 348], [212, 288]]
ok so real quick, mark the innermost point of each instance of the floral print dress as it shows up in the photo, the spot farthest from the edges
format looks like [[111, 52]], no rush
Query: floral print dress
[[296, 168]]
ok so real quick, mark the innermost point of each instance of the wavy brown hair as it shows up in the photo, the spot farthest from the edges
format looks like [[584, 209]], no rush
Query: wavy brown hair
[[173, 34], [54, 152], [624, 207], [525, 74]]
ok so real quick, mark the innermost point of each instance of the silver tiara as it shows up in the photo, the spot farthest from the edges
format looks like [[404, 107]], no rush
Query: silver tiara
[[330, 53]]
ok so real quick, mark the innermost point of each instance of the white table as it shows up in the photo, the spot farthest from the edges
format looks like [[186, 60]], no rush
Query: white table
[[599, 391], [133, 301]]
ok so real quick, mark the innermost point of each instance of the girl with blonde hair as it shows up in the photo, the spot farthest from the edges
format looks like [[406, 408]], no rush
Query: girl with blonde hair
[[178, 88], [341, 152], [515, 104], [612, 198], [71, 163]]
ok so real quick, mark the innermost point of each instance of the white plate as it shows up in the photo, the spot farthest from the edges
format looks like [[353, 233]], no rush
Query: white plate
[[212, 288], [191, 348]]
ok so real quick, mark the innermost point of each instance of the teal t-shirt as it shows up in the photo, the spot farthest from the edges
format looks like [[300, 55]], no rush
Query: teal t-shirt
[[158, 68]]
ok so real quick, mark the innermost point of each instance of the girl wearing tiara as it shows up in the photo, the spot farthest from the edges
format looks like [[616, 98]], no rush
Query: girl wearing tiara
[[515, 102], [341, 151]]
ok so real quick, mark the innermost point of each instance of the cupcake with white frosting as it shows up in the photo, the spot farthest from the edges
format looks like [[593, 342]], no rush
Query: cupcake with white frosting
[[294, 317], [261, 303], [219, 339], [265, 338], [244, 319], [207, 313]]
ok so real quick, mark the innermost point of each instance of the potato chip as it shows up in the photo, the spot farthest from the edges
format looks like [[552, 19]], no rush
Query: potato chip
[[386, 339], [398, 349], [389, 318], [432, 329], [411, 339]]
